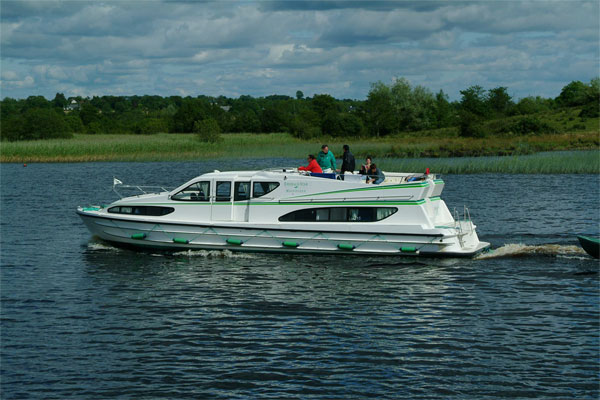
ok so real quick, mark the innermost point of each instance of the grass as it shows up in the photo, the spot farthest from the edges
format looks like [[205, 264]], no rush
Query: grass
[[426, 150], [560, 162]]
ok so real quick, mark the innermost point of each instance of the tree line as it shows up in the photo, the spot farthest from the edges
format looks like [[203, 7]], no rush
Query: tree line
[[388, 109]]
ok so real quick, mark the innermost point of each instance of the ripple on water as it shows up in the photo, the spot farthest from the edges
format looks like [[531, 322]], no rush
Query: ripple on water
[[87, 320]]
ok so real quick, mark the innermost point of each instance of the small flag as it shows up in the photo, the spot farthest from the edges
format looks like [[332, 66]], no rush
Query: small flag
[[116, 182]]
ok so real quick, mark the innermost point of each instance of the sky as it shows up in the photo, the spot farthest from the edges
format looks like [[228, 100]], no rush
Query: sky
[[260, 48]]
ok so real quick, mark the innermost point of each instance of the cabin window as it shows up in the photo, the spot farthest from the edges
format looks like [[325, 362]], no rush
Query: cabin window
[[339, 214], [323, 214], [259, 189], [241, 191], [199, 191], [141, 210], [223, 191]]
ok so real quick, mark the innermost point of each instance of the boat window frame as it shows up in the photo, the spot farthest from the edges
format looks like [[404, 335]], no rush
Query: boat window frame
[[254, 196], [236, 191], [353, 214], [192, 193], [221, 198], [141, 210]]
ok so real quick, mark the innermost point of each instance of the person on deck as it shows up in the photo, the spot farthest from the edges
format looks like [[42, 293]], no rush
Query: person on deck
[[364, 169], [348, 162], [375, 175], [326, 159], [313, 166]]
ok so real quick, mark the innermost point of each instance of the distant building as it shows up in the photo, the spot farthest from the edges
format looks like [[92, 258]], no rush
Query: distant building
[[72, 106]]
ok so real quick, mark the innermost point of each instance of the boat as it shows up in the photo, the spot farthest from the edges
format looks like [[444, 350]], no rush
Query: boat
[[284, 210], [590, 245]]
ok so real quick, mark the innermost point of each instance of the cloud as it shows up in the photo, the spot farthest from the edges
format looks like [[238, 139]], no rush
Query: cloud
[[261, 48]]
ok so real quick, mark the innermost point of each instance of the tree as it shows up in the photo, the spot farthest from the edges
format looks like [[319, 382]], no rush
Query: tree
[[350, 125], [36, 102], [592, 108], [421, 114], [323, 105], [274, 118], [532, 105], [88, 114], [60, 101], [379, 109], [43, 123], [499, 101], [207, 130], [443, 110], [191, 110], [299, 95], [474, 101], [247, 121], [574, 94]]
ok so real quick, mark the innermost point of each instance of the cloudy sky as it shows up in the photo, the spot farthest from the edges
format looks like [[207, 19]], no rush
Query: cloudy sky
[[260, 48]]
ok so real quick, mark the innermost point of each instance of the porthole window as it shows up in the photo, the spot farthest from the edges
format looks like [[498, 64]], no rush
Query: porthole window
[[339, 214]]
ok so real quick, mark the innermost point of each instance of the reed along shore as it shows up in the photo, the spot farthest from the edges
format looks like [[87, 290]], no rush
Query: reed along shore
[[557, 153]]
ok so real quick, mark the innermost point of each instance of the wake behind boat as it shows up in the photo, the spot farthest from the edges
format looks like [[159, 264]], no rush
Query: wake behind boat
[[286, 210]]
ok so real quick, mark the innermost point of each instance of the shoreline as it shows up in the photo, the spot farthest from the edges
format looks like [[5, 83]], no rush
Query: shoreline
[[559, 153]]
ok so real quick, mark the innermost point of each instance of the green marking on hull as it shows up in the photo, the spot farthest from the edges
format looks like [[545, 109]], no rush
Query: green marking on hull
[[234, 241], [138, 236], [400, 186], [295, 203]]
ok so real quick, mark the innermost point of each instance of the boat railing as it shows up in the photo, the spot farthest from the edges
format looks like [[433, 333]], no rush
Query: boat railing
[[282, 170], [142, 189], [463, 226]]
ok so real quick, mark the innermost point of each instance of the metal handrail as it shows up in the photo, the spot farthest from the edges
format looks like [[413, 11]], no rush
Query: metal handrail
[[141, 188]]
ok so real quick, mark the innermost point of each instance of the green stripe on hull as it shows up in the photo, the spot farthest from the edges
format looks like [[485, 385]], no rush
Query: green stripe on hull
[[294, 203], [401, 186]]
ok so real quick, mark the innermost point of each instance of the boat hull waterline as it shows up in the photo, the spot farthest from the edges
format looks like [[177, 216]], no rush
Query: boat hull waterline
[[590, 245], [398, 219], [177, 237]]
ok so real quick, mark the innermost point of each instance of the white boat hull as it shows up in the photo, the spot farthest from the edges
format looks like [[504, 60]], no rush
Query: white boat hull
[[449, 242]]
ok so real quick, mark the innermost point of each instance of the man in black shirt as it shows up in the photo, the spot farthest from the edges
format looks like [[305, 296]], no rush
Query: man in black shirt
[[348, 163]]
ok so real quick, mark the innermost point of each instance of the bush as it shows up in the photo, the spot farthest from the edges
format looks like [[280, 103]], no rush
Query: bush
[[304, 130], [74, 123], [35, 123], [529, 126], [207, 130], [151, 125], [471, 125], [591, 110]]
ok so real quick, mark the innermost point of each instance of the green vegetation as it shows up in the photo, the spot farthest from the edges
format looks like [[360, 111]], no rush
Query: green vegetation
[[388, 110], [394, 153], [395, 121], [556, 162]]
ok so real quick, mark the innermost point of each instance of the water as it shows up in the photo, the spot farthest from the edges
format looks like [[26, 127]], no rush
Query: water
[[82, 319]]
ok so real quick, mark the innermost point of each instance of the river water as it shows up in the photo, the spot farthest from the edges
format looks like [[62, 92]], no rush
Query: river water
[[82, 319]]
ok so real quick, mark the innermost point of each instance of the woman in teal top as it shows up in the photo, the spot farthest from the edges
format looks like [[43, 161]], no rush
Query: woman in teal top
[[326, 159]]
